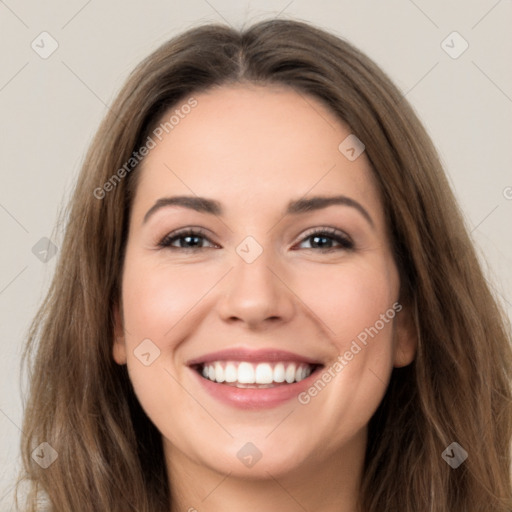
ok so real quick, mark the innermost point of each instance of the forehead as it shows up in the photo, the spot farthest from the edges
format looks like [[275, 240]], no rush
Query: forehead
[[245, 144]]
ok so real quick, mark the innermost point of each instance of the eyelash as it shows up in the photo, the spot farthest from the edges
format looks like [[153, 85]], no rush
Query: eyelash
[[343, 240]]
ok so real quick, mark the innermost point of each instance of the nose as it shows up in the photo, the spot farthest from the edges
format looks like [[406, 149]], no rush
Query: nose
[[256, 294]]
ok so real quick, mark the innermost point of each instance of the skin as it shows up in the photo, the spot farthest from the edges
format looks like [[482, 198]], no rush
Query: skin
[[253, 149]]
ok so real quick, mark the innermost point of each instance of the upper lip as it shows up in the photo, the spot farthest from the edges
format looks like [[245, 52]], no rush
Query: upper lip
[[260, 355]]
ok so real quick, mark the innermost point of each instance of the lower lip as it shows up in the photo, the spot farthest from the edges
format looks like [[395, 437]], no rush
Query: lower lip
[[254, 398]]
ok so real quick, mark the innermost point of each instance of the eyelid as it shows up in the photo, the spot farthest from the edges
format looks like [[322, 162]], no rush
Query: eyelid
[[324, 229]]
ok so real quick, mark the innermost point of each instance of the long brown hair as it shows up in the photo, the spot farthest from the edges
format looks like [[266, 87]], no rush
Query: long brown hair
[[457, 389]]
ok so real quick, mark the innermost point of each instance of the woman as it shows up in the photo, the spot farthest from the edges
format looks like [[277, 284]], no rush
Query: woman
[[266, 298]]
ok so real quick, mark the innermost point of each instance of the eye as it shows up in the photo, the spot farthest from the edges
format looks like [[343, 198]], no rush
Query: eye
[[189, 238], [325, 239]]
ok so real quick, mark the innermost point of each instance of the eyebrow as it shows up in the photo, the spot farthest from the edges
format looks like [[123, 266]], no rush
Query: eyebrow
[[296, 207]]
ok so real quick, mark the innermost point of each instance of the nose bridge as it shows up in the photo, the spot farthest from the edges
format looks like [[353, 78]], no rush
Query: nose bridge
[[255, 291]]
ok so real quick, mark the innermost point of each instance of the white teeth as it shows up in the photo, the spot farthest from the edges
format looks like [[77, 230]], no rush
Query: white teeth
[[302, 373], [290, 373], [245, 374], [230, 373], [264, 374], [219, 373], [279, 373]]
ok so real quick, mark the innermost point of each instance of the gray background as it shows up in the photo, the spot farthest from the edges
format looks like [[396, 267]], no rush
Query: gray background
[[50, 109]]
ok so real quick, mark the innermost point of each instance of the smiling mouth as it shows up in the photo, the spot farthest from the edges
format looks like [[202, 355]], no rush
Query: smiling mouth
[[244, 374]]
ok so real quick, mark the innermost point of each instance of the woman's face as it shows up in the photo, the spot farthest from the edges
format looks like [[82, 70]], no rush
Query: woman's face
[[277, 281]]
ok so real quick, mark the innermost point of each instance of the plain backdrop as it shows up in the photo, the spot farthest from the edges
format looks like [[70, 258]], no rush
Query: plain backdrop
[[50, 108]]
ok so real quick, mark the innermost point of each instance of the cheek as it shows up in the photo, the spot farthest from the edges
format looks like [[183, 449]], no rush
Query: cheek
[[350, 299], [357, 304], [158, 306], [157, 301], [165, 305]]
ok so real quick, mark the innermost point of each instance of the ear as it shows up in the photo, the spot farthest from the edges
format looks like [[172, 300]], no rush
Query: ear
[[406, 337], [119, 346]]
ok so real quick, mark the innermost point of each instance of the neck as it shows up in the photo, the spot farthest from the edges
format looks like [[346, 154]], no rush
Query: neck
[[330, 484]]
